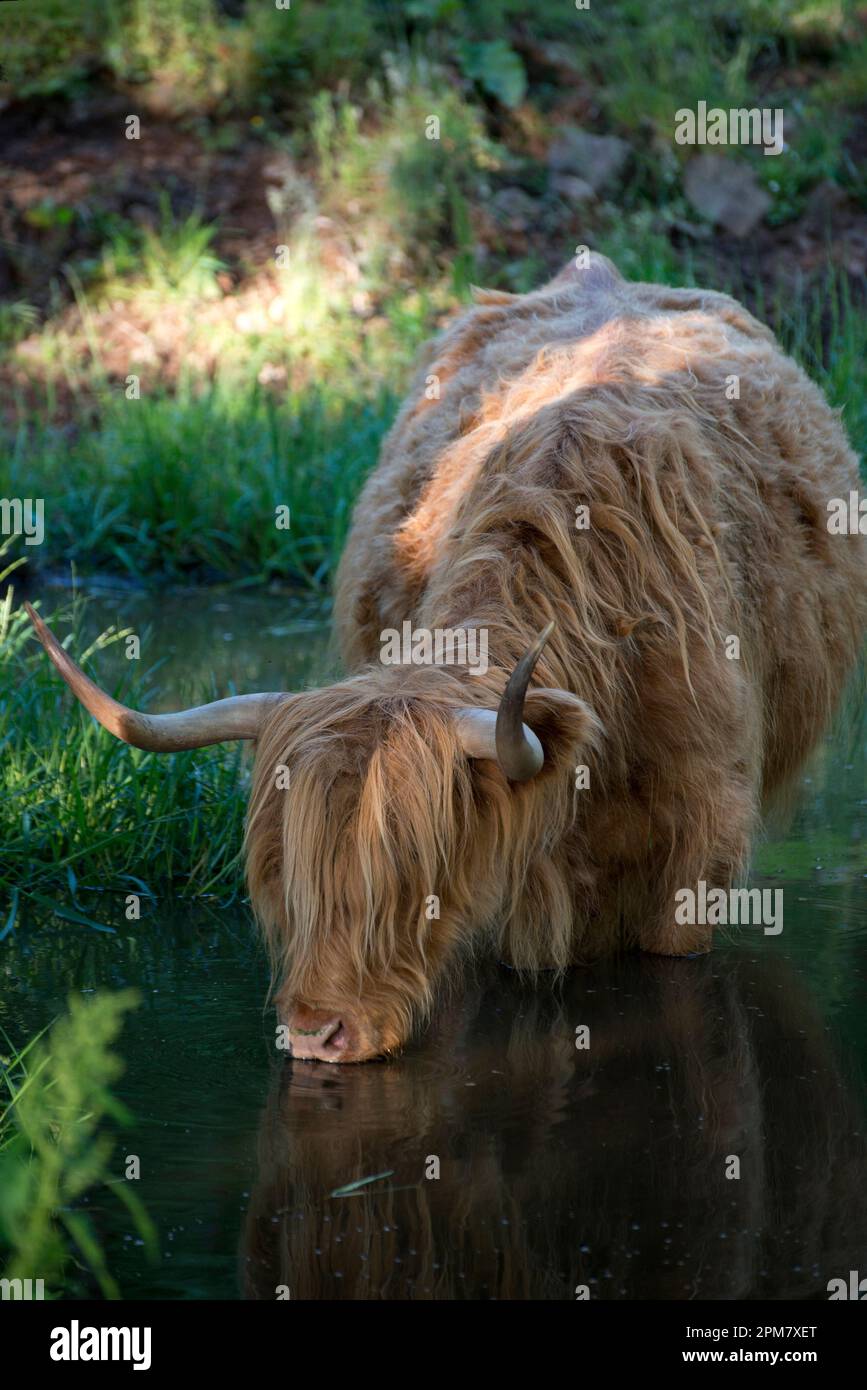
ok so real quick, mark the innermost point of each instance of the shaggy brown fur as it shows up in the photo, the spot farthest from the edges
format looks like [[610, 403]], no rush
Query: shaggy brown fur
[[707, 520]]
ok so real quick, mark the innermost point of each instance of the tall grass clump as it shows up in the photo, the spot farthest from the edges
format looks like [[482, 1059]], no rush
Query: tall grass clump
[[86, 820], [189, 485], [173, 261], [826, 331]]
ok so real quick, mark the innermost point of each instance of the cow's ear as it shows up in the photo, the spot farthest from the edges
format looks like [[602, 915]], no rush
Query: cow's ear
[[482, 296], [597, 275], [563, 724]]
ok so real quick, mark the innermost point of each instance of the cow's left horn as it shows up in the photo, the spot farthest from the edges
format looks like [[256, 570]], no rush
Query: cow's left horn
[[238, 717], [504, 736]]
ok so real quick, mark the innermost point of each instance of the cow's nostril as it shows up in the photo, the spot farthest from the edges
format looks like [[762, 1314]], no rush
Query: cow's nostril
[[325, 1043], [338, 1039], [332, 1038]]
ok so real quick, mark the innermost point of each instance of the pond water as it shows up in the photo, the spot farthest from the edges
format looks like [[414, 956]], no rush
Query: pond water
[[508, 1163]]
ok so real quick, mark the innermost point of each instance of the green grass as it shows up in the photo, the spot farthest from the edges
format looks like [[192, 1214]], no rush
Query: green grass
[[189, 486], [86, 821], [173, 261]]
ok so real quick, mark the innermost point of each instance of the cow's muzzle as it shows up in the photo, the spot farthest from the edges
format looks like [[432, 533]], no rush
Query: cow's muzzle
[[321, 1035]]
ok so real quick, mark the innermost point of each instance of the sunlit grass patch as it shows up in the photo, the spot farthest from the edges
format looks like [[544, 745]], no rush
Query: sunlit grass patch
[[172, 261]]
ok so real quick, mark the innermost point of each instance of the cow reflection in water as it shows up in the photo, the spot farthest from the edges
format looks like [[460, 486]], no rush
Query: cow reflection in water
[[561, 1167]]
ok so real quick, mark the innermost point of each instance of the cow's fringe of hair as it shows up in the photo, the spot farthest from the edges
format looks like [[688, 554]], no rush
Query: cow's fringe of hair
[[382, 813]]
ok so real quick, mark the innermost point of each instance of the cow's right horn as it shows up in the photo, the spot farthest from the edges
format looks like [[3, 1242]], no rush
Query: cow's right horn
[[520, 757], [504, 736], [240, 716]]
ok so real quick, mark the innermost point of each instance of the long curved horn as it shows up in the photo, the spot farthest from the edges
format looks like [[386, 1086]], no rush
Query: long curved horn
[[238, 717], [503, 735]]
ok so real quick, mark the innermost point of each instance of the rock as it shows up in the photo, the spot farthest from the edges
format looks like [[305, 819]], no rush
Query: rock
[[597, 159], [515, 209], [726, 192], [571, 188]]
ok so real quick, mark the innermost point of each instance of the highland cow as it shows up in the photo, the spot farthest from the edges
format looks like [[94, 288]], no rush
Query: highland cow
[[626, 488]]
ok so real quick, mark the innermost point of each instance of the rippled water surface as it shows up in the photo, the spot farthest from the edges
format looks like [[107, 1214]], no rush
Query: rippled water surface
[[507, 1162]]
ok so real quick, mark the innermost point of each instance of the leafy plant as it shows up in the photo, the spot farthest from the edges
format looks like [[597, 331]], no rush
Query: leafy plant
[[56, 1145], [497, 68]]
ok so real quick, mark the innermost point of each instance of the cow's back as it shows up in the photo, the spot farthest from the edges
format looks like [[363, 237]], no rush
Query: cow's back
[[671, 413]]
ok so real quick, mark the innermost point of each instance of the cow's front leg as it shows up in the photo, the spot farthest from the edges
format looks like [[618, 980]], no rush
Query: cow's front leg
[[690, 906]]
